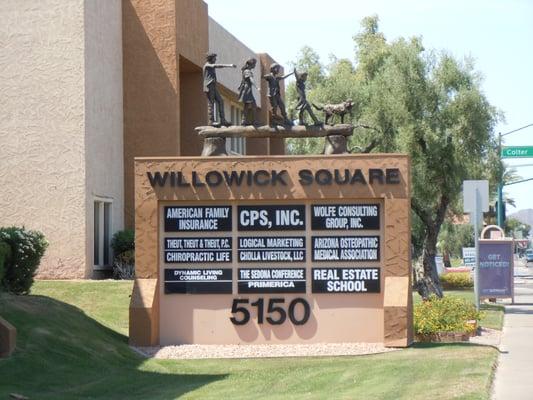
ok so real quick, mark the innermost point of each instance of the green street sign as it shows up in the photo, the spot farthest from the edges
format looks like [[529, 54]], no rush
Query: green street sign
[[517, 151]]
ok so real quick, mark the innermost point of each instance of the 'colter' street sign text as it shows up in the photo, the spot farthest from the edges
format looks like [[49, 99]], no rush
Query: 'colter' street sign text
[[517, 151]]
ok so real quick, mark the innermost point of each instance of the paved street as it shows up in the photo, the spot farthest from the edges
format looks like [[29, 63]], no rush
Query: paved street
[[514, 375]]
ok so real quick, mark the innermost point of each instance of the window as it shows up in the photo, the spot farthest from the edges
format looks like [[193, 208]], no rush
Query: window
[[102, 233]]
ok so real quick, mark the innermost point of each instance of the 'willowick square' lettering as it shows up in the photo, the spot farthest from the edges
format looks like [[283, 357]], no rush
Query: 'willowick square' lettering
[[262, 177]]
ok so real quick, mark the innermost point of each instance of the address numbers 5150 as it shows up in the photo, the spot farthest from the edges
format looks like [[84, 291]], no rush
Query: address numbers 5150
[[276, 313]]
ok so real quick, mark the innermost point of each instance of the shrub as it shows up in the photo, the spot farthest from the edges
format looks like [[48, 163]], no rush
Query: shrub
[[124, 265], [456, 280], [27, 248], [123, 241], [5, 252], [123, 244], [447, 314]]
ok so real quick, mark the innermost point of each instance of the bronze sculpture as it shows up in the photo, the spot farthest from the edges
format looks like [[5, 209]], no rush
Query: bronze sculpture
[[303, 105], [246, 95], [211, 91], [214, 136], [341, 109], [274, 93]]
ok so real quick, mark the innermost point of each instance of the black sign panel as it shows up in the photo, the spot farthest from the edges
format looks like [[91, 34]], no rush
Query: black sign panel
[[198, 281], [271, 249], [197, 218], [271, 218], [271, 280], [346, 280], [198, 249], [344, 216], [345, 248]]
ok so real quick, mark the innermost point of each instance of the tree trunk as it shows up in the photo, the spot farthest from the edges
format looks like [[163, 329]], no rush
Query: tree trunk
[[447, 260], [428, 282]]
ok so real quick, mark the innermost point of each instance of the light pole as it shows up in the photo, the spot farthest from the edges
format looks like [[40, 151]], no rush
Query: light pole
[[500, 184]]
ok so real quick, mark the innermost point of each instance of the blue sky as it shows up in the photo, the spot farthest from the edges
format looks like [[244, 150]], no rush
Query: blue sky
[[498, 35]]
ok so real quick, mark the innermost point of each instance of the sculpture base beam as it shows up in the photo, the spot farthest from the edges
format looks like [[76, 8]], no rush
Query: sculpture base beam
[[336, 136], [278, 131], [214, 146], [335, 144]]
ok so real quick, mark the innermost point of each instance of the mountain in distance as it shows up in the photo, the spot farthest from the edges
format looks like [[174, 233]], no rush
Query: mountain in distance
[[524, 216]]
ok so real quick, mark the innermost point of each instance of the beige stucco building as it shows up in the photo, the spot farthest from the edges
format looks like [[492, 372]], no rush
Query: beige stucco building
[[86, 86]]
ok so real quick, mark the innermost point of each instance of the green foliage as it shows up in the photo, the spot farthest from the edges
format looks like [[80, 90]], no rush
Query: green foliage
[[447, 314], [27, 248], [453, 237], [456, 280], [123, 244], [415, 101], [123, 241], [514, 226], [5, 253], [124, 265]]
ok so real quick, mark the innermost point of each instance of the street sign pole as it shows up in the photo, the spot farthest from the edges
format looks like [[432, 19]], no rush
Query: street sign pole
[[476, 241], [476, 202], [499, 211]]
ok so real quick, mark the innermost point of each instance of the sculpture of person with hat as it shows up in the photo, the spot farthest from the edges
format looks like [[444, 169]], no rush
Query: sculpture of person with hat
[[211, 91]]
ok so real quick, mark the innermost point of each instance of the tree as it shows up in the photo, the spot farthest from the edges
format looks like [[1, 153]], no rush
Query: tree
[[513, 225], [425, 104], [453, 237]]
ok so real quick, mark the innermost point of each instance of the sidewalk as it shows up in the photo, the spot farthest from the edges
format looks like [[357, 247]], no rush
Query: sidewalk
[[514, 375]]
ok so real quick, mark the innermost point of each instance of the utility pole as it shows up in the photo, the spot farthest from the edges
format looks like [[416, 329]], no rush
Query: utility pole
[[500, 183]]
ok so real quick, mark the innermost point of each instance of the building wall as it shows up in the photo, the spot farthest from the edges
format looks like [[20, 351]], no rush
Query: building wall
[[192, 34], [86, 86], [192, 30], [164, 46], [193, 107], [103, 114], [150, 84], [42, 127]]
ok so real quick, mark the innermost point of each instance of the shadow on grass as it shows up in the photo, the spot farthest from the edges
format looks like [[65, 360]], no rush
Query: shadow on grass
[[434, 345], [519, 308], [431, 345], [63, 353]]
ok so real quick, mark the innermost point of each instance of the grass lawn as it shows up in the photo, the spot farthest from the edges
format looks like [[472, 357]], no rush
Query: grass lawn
[[72, 345]]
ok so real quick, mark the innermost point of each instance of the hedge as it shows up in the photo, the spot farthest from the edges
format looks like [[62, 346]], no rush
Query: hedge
[[27, 248], [5, 252], [447, 314]]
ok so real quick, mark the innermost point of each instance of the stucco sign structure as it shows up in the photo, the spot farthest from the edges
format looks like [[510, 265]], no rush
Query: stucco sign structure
[[272, 250]]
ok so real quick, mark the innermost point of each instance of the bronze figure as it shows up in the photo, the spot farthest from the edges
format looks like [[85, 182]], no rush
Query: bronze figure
[[210, 89], [274, 92], [303, 105], [246, 95], [341, 109]]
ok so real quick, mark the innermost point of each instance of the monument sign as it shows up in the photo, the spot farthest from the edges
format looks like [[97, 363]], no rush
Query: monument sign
[[241, 250]]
